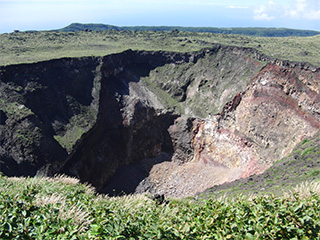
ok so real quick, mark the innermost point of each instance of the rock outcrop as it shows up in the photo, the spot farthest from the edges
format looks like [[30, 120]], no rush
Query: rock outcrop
[[41, 103], [262, 124], [159, 122]]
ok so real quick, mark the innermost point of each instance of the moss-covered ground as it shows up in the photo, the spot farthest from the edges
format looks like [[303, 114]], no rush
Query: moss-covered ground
[[27, 47]]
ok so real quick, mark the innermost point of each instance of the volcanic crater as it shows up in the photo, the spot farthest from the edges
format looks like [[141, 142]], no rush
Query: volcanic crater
[[154, 121]]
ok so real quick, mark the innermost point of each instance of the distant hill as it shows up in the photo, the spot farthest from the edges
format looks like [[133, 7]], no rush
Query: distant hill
[[259, 32]]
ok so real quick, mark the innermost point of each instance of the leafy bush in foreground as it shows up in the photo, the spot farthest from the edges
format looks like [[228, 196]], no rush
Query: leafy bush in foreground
[[61, 208]]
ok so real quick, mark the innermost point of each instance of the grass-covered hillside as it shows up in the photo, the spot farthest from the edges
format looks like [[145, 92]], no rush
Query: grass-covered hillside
[[61, 208], [27, 47], [259, 32]]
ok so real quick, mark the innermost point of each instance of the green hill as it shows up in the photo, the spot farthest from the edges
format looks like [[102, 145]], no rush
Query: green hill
[[27, 47], [259, 32]]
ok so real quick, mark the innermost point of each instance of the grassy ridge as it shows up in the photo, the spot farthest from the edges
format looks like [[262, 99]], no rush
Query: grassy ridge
[[61, 208], [259, 32], [28, 47]]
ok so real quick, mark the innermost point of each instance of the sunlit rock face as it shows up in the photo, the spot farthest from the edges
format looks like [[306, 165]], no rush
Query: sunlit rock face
[[158, 122], [261, 124]]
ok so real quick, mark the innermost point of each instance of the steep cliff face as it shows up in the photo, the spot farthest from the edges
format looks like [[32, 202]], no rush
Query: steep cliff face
[[203, 86], [42, 105], [139, 121], [46, 108], [262, 124]]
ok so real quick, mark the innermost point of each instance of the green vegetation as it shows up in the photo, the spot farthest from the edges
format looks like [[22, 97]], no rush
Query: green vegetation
[[70, 137], [15, 110], [163, 96], [29, 136], [28, 47], [307, 151], [61, 208], [212, 81], [260, 32], [78, 125]]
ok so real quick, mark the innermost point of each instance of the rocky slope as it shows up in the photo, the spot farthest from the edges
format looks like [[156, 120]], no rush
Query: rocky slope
[[174, 123], [300, 166], [40, 104], [263, 123]]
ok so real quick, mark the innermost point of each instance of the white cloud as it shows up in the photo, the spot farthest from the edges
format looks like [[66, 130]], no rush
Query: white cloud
[[238, 7], [299, 9], [262, 13], [51, 14], [304, 9]]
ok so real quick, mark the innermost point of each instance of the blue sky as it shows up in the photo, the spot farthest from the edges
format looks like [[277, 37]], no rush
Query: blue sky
[[53, 14]]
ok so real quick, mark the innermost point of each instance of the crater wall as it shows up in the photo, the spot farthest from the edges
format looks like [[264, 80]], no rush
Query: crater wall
[[159, 122]]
